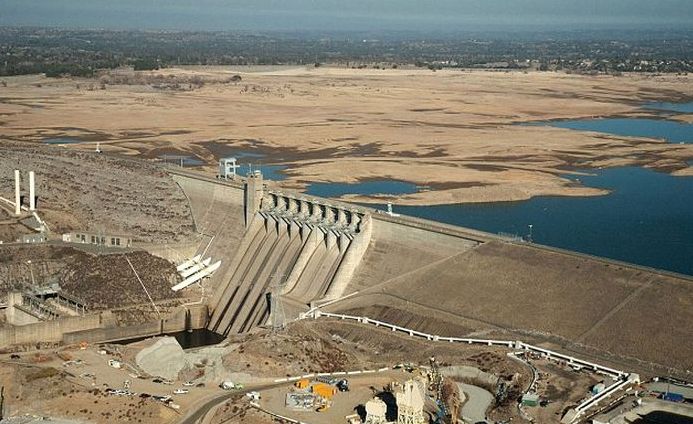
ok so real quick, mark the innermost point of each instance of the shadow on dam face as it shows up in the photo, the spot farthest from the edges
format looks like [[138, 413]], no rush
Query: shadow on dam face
[[188, 339]]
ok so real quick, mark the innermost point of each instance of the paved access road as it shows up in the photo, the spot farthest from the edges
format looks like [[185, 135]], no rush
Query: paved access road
[[478, 401], [195, 416]]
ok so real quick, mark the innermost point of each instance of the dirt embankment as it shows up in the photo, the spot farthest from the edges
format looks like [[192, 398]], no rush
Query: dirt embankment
[[101, 281], [42, 386], [88, 191], [605, 310], [109, 281]]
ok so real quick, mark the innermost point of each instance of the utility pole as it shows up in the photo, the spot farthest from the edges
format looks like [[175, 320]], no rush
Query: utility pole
[[31, 271]]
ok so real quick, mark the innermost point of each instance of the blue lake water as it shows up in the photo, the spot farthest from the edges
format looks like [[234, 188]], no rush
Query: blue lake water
[[647, 219], [245, 154], [672, 131], [61, 140], [269, 172], [370, 188], [674, 107], [182, 159]]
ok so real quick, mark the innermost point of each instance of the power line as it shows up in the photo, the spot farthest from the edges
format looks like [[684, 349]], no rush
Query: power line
[[145, 289]]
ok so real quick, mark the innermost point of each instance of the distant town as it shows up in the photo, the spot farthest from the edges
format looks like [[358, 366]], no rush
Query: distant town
[[57, 52]]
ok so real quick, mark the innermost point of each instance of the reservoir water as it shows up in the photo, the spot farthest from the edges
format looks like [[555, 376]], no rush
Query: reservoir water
[[673, 107], [672, 131], [61, 140], [269, 172], [647, 219]]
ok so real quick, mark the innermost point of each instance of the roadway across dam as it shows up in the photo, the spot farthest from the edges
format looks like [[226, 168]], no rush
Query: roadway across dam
[[442, 278]]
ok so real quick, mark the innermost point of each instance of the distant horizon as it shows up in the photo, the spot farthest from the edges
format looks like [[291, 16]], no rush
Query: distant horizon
[[355, 16], [520, 34]]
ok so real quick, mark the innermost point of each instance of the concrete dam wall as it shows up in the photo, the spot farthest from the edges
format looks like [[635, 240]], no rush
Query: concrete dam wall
[[305, 249], [442, 279]]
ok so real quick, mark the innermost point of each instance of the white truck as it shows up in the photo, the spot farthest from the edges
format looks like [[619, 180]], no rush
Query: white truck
[[230, 385]]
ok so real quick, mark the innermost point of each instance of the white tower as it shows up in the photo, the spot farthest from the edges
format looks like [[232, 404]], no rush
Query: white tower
[[410, 403], [32, 192], [17, 197], [389, 210]]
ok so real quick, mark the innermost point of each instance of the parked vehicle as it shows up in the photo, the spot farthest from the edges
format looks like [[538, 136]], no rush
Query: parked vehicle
[[230, 385]]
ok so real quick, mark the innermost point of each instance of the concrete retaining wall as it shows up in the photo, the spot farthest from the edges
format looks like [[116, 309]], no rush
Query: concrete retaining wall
[[18, 316], [96, 328], [152, 328], [191, 318], [48, 331]]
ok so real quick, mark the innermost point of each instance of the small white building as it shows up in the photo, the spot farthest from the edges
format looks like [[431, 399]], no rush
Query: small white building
[[111, 240]]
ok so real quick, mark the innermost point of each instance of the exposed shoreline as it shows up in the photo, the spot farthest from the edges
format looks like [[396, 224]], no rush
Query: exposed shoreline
[[458, 132]]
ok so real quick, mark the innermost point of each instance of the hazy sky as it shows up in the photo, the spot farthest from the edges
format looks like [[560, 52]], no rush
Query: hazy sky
[[345, 15]]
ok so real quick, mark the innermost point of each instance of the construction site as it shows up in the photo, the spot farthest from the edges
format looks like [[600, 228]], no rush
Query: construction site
[[138, 291]]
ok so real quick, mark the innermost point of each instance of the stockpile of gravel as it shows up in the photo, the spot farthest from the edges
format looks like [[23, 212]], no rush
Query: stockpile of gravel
[[164, 358]]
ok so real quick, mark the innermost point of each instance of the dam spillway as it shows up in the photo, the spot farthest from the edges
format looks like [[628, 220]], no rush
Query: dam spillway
[[308, 249]]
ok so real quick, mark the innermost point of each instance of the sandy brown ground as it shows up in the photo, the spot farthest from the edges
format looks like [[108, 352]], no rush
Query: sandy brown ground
[[87, 191], [451, 131], [41, 383]]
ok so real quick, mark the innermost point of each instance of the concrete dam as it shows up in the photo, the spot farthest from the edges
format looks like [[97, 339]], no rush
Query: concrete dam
[[425, 275], [304, 250]]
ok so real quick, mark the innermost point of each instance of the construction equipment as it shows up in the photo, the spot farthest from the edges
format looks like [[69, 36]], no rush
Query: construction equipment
[[324, 390], [302, 384]]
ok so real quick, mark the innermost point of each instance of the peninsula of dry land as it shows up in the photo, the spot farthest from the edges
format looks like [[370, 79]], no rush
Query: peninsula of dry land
[[457, 134]]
